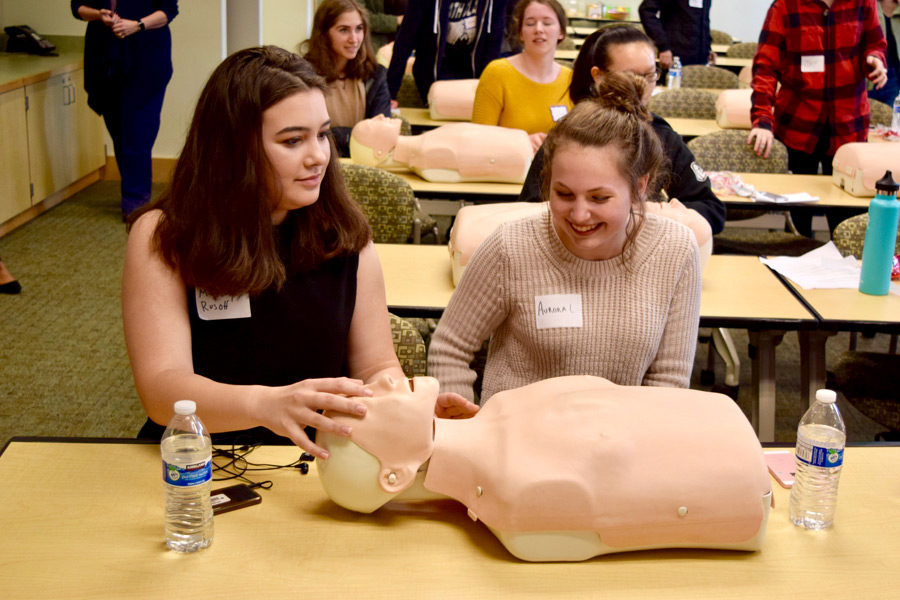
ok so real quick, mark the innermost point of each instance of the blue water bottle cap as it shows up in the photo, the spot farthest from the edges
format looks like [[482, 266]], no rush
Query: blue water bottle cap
[[887, 184]]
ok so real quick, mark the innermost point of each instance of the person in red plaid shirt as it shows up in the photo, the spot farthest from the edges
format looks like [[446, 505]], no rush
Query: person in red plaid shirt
[[821, 52]]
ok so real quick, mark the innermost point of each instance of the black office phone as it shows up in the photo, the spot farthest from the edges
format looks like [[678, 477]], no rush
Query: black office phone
[[23, 38]]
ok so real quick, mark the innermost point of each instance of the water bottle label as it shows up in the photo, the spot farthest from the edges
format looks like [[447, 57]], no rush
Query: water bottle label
[[819, 457], [188, 475]]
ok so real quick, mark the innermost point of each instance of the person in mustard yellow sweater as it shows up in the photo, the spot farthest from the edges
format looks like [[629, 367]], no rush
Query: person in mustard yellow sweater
[[528, 90]]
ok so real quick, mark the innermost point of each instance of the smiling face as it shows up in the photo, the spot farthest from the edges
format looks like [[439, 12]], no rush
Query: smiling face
[[294, 133], [637, 58], [590, 201], [540, 31], [345, 37]]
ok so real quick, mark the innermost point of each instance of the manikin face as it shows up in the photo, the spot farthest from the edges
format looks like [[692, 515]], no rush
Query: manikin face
[[346, 36], [295, 139], [637, 58], [540, 31], [590, 201]]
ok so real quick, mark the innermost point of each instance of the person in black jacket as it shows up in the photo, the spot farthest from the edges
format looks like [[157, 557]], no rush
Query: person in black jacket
[[340, 48], [679, 28], [625, 48], [458, 43]]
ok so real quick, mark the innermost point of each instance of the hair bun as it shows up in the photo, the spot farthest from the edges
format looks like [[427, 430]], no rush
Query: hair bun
[[622, 91]]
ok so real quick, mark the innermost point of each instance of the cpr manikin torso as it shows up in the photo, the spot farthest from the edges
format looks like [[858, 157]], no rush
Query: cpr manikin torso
[[452, 99], [456, 152], [563, 469]]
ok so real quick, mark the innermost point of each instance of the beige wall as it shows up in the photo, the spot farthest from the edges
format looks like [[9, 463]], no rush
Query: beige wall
[[284, 23]]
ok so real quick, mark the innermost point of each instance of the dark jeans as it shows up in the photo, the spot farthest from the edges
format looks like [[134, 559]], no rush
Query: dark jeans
[[133, 124], [890, 89], [803, 163]]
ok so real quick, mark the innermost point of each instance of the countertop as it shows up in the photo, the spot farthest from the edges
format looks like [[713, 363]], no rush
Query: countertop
[[18, 69]]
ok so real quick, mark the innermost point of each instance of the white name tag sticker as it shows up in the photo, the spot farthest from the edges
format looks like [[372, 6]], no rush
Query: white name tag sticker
[[557, 310], [812, 64], [558, 111], [695, 3], [223, 307]]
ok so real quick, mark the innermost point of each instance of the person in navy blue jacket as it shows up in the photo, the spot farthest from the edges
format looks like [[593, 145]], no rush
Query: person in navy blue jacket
[[127, 66], [679, 28], [456, 43]]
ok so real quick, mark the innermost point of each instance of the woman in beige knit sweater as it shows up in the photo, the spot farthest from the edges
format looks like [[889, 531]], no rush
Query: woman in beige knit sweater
[[592, 286]]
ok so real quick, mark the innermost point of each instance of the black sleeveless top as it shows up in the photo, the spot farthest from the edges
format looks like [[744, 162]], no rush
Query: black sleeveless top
[[297, 333]]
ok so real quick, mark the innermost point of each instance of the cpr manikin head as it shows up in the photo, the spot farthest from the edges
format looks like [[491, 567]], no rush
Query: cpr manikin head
[[372, 141], [385, 448]]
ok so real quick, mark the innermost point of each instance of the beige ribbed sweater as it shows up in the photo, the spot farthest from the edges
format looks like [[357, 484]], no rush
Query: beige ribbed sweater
[[639, 320]]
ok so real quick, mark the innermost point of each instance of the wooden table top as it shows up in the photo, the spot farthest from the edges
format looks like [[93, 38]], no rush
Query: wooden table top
[[822, 186], [738, 291], [851, 310], [85, 520]]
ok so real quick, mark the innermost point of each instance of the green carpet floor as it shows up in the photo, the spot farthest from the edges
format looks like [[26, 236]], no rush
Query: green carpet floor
[[63, 365]]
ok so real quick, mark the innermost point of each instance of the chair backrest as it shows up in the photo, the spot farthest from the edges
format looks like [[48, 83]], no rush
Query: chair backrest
[[684, 104], [728, 150], [850, 236], [720, 37], [701, 76], [408, 94], [745, 76], [408, 346], [880, 113], [405, 127], [742, 50], [387, 200], [566, 44]]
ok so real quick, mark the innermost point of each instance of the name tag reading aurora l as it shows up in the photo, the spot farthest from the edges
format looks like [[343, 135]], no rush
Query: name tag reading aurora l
[[223, 307], [557, 310]]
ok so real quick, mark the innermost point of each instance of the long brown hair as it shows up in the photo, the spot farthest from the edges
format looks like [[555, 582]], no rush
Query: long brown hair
[[318, 46], [216, 226], [618, 118]]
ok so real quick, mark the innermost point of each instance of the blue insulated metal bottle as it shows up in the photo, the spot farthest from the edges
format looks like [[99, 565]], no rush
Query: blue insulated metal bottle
[[881, 237]]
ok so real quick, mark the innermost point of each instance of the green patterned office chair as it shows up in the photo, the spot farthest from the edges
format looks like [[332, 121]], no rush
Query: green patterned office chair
[[850, 237], [408, 346], [387, 200], [684, 104], [868, 382], [879, 113], [720, 37], [727, 150], [701, 76], [405, 127], [408, 94], [742, 50]]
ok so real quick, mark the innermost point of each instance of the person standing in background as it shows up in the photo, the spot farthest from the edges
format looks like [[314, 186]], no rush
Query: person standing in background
[[679, 28], [455, 39], [384, 17], [821, 54], [127, 66], [889, 17]]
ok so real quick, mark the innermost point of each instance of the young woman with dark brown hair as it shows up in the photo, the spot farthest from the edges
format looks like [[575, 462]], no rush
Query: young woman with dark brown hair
[[340, 48], [251, 286], [593, 285]]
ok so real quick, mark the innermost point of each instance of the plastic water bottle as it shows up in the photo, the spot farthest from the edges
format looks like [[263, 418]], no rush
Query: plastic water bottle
[[895, 117], [187, 472], [674, 81], [819, 458], [881, 238]]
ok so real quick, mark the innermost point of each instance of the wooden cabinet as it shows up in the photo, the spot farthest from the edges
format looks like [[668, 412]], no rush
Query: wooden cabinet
[[65, 137], [14, 189]]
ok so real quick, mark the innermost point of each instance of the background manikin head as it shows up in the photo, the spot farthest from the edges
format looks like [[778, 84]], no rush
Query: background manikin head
[[373, 140]]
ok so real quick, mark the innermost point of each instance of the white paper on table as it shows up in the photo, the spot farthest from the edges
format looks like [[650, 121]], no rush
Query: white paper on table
[[785, 198], [822, 268]]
